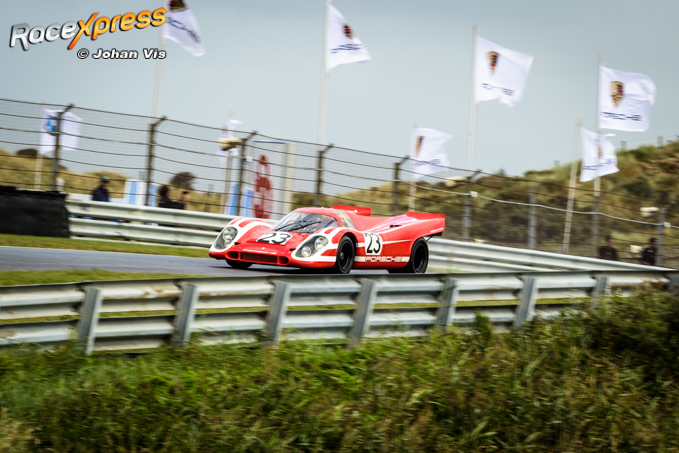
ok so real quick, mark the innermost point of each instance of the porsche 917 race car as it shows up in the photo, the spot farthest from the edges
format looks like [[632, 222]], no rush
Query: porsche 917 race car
[[336, 240]]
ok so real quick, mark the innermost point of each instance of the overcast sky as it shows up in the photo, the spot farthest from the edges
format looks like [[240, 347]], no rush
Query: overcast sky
[[263, 61]]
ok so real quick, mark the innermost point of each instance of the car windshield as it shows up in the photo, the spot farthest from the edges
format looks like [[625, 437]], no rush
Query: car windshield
[[304, 222]]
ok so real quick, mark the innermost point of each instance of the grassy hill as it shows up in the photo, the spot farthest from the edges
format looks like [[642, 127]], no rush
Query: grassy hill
[[647, 177]]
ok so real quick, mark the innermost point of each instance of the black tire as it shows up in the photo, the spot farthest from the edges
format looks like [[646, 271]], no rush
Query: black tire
[[238, 264], [419, 258], [346, 253]]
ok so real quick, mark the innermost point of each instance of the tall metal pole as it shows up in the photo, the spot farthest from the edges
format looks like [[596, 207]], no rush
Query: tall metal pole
[[597, 181], [38, 158], [472, 106], [55, 161], [571, 190], [532, 219], [149, 159], [661, 236], [227, 169], [159, 72], [319, 175], [241, 172], [324, 78]]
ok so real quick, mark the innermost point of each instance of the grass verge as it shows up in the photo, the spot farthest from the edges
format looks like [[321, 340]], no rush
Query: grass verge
[[12, 240], [8, 278], [586, 381]]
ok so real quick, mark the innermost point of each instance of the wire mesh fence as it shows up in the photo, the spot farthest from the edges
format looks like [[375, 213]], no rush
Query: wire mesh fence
[[268, 176]]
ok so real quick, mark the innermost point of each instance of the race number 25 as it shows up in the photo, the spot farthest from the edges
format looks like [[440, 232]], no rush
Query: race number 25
[[373, 244], [275, 238]]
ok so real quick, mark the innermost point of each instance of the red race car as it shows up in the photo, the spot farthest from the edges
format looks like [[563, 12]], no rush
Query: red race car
[[337, 240]]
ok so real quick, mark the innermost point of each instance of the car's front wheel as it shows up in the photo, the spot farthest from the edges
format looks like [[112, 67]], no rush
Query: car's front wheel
[[238, 264], [346, 253]]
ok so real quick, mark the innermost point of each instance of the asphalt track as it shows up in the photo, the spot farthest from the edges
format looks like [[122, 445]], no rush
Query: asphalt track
[[25, 258]]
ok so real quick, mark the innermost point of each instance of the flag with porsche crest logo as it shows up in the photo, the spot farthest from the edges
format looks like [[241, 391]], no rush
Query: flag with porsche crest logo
[[342, 44], [500, 73], [625, 100]]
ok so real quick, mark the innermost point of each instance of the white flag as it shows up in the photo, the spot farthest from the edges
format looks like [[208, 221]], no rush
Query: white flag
[[343, 45], [181, 27], [70, 128], [500, 73], [427, 154], [598, 155], [227, 132], [625, 100]]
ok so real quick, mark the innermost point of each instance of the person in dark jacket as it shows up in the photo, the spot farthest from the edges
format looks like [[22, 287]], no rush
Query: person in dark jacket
[[101, 192], [649, 255], [608, 252], [165, 201]]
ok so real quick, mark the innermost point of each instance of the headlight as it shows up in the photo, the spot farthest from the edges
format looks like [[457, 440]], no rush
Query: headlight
[[312, 246], [320, 242], [226, 237]]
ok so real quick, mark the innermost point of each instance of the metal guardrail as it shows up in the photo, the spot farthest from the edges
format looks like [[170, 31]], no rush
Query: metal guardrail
[[140, 314], [190, 228]]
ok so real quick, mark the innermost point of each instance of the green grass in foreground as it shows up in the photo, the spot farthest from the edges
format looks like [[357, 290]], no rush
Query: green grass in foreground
[[8, 278], [584, 382], [12, 240]]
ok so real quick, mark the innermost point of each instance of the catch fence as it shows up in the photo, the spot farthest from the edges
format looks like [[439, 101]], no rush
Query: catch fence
[[268, 176]]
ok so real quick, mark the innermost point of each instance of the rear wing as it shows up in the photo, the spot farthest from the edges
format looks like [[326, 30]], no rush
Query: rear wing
[[425, 215], [355, 209]]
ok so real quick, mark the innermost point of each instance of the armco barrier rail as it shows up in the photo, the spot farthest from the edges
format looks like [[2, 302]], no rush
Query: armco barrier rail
[[190, 228], [116, 315]]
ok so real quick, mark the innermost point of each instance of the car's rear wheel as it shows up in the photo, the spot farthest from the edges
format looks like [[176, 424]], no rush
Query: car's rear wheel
[[238, 264], [419, 258], [346, 253]]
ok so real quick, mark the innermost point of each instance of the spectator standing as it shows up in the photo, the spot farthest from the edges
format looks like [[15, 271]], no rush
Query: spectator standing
[[101, 193], [165, 201], [649, 255], [608, 252]]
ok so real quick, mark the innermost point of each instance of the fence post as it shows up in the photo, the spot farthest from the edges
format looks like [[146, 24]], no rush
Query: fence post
[[319, 174], [602, 285], [289, 165], [447, 303], [595, 225], [277, 311], [186, 309], [241, 171], [467, 216], [365, 302], [149, 158], [532, 219], [89, 319], [673, 285], [526, 309], [57, 149], [394, 187]]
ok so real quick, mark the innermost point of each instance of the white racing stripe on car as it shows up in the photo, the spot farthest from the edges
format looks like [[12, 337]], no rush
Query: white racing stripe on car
[[241, 231], [382, 259]]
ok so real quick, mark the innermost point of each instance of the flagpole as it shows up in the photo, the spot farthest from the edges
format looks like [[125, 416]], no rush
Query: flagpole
[[324, 78], [472, 106], [411, 198], [159, 73], [597, 180], [571, 190]]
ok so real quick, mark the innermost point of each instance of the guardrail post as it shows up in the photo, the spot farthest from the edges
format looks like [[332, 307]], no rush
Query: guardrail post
[[277, 310], [447, 304], [241, 172], [57, 149], [365, 302], [602, 286], [186, 310], [319, 174], [149, 158], [89, 319], [526, 309]]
